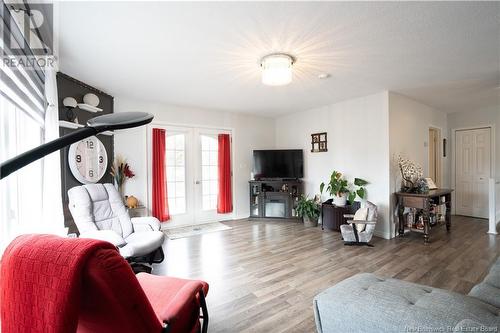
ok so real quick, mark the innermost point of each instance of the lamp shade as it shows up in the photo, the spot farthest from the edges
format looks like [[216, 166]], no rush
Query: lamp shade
[[277, 69]]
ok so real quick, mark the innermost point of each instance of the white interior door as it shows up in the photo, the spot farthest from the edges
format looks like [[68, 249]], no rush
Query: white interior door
[[435, 155], [473, 169]]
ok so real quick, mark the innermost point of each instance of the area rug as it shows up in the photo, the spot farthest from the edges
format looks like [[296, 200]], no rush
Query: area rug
[[193, 230]]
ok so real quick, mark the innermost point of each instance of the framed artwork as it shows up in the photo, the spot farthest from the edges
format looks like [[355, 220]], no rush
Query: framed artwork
[[319, 142]]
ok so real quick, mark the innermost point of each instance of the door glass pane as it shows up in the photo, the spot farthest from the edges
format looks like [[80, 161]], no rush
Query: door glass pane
[[209, 171], [176, 175]]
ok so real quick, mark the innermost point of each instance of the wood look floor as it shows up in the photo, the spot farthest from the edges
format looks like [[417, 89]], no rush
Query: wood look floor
[[263, 275]]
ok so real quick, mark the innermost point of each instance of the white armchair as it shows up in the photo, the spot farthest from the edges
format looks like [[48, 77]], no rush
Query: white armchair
[[99, 213], [359, 231]]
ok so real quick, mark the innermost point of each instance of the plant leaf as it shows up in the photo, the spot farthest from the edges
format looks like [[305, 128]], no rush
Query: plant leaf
[[351, 197], [321, 187], [360, 182], [361, 192]]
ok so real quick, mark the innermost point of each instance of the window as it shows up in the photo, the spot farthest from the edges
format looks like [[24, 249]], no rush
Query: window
[[209, 171], [176, 173], [21, 192]]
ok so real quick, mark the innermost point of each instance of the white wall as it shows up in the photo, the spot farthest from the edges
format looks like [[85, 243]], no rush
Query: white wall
[[358, 146], [249, 133], [409, 123], [478, 118]]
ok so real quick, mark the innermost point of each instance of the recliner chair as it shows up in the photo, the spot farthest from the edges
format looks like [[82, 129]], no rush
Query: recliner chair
[[99, 213]]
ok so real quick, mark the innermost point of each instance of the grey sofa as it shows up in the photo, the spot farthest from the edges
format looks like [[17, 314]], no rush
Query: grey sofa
[[368, 303]]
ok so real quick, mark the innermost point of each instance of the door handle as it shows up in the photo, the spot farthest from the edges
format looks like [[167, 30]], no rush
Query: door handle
[[197, 182]]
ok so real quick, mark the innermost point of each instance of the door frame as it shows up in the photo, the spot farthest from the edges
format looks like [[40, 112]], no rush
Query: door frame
[[452, 150], [187, 128]]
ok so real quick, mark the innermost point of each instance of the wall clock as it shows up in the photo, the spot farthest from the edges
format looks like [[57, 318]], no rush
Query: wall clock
[[88, 160]]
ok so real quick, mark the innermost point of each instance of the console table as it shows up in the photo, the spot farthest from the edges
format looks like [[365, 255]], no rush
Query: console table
[[333, 216], [423, 201]]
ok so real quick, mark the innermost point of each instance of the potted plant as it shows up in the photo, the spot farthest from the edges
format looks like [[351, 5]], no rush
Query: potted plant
[[338, 187], [341, 191], [308, 210]]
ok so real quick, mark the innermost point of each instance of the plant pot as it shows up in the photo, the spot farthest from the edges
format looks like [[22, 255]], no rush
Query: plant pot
[[309, 222], [341, 200]]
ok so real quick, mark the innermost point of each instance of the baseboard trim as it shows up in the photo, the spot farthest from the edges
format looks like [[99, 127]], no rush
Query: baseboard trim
[[383, 234]]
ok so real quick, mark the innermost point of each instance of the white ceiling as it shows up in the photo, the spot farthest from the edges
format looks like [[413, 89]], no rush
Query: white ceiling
[[206, 55]]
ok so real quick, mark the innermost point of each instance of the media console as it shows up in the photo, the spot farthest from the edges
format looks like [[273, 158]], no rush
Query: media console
[[274, 198]]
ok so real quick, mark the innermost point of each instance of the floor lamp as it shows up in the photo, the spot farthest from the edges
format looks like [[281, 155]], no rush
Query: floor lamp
[[108, 122]]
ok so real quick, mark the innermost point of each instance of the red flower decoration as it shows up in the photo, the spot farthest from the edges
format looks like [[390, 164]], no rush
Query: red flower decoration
[[127, 172]]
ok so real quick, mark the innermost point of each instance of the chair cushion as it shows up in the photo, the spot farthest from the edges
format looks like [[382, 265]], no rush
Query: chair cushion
[[105, 235], [368, 303], [360, 215], [372, 211], [142, 243], [164, 292], [99, 206]]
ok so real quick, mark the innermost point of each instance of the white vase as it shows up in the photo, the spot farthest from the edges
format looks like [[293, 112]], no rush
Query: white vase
[[341, 200]]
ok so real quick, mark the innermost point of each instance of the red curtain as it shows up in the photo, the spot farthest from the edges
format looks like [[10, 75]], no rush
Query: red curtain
[[225, 198], [160, 202]]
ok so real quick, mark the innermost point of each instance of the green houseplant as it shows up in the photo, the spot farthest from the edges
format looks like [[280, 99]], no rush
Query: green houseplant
[[342, 191], [338, 187], [308, 210]]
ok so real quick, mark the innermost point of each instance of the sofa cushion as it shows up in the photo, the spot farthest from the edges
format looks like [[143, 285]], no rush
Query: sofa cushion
[[489, 290], [368, 303]]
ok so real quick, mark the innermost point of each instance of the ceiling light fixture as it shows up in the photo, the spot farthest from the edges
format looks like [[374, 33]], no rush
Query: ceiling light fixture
[[277, 69]]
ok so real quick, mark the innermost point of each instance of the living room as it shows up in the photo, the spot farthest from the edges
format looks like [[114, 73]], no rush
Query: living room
[[250, 166]]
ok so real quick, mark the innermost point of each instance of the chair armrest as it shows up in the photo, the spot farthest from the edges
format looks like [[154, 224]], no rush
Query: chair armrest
[[361, 222], [105, 235], [181, 303], [145, 223], [349, 216]]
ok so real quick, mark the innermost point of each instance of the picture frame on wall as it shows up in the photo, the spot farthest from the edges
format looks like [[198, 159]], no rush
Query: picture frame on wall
[[319, 142]]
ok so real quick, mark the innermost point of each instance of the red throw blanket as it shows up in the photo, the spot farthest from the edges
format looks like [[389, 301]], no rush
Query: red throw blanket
[[41, 281]]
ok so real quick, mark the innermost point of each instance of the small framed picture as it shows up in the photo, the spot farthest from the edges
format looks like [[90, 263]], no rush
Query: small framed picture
[[319, 142]]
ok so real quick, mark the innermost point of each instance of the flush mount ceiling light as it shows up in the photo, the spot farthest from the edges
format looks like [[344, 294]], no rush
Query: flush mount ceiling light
[[277, 69]]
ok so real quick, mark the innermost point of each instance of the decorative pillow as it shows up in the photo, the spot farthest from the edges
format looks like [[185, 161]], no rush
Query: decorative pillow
[[360, 215]]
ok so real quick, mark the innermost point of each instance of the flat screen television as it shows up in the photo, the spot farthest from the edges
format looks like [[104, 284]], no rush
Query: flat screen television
[[278, 164]]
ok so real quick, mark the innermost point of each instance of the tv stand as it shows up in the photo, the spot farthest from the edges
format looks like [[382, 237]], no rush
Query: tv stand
[[275, 198]]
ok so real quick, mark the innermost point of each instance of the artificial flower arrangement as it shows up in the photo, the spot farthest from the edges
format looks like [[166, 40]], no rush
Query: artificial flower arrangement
[[120, 171], [412, 175]]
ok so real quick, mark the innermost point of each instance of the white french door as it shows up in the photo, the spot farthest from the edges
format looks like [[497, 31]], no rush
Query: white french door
[[473, 169], [207, 174], [191, 162]]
